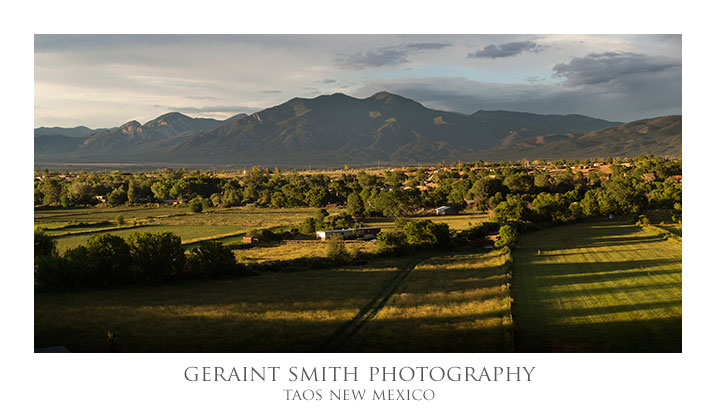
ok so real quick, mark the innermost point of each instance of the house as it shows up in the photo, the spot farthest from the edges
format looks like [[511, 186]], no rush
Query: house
[[249, 240], [445, 211], [359, 233], [101, 199]]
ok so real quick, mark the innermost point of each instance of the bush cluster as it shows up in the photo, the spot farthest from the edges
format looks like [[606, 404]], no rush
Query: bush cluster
[[109, 260]]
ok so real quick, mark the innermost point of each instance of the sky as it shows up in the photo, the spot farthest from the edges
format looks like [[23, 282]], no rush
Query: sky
[[107, 80]]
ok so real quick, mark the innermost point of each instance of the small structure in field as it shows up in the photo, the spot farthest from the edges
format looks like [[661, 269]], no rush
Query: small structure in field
[[358, 233], [249, 240], [445, 211]]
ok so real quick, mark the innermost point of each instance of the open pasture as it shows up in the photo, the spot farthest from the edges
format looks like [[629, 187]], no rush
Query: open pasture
[[228, 225], [272, 312], [601, 286], [454, 302]]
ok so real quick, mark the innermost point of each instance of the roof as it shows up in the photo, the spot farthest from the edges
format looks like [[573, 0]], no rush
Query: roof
[[351, 229], [443, 208]]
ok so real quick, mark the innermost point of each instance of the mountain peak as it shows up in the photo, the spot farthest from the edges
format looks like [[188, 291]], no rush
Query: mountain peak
[[383, 96]]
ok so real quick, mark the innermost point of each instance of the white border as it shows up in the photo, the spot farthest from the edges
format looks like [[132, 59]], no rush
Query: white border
[[561, 383]]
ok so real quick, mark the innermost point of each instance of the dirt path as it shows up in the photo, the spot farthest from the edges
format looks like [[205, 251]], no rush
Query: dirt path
[[339, 340]]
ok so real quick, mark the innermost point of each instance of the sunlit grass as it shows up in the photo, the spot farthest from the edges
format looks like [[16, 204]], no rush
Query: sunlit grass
[[274, 312], [451, 303], [598, 286]]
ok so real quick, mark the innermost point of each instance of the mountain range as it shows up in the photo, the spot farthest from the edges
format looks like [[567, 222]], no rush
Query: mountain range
[[338, 129]]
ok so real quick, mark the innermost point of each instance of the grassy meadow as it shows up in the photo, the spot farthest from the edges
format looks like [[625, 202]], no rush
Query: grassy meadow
[[272, 312], [597, 286], [227, 225], [601, 286], [72, 227], [454, 302]]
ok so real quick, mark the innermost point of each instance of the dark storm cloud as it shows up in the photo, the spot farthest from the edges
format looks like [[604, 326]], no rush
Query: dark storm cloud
[[494, 51], [608, 67], [386, 56]]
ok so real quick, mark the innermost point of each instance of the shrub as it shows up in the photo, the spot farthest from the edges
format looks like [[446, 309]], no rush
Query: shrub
[[643, 220], [355, 206], [426, 232], [210, 259], [336, 249], [108, 260], [44, 245], [196, 205], [386, 241], [507, 236], [308, 226], [120, 220], [157, 256], [50, 272]]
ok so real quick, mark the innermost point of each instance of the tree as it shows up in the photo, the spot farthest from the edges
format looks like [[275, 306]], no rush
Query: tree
[[117, 197], [426, 232], [51, 190], [157, 256], [519, 182], [109, 260], [160, 190], [317, 197], [81, 193], [196, 205], [44, 244], [336, 249], [515, 208], [355, 206], [507, 236], [484, 188], [211, 259], [308, 226]]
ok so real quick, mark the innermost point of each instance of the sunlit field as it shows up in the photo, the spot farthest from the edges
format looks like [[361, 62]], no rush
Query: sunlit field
[[295, 249], [598, 286], [449, 303], [72, 227], [271, 312]]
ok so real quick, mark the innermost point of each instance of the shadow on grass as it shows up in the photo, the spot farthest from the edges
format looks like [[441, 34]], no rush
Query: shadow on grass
[[274, 312], [648, 335]]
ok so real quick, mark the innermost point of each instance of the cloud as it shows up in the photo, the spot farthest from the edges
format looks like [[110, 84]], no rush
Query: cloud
[[270, 91], [612, 67], [647, 97], [386, 56], [326, 81], [534, 79], [503, 50], [201, 98], [236, 109]]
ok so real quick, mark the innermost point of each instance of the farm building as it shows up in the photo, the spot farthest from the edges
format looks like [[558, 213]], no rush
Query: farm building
[[249, 240], [445, 211], [360, 233]]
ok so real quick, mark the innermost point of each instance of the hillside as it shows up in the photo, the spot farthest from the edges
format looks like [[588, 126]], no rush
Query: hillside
[[328, 129], [384, 126], [657, 136]]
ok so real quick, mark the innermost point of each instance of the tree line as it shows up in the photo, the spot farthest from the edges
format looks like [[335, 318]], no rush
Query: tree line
[[507, 190]]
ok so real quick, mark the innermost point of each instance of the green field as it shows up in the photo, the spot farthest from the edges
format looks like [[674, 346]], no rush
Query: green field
[[272, 312], [597, 287], [227, 225], [600, 286], [450, 303], [454, 302]]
